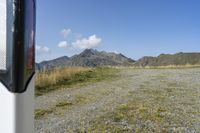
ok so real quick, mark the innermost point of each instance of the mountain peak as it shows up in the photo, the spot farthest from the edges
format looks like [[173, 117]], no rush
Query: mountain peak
[[88, 58], [88, 52]]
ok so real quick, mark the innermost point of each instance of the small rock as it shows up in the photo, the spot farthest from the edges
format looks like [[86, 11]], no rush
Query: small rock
[[124, 123]]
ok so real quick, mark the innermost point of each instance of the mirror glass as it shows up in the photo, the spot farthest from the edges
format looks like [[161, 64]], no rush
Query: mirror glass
[[3, 34]]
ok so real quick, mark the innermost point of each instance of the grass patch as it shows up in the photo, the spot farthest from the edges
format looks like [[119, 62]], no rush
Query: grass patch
[[51, 80], [40, 113], [141, 118], [64, 104], [81, 99]]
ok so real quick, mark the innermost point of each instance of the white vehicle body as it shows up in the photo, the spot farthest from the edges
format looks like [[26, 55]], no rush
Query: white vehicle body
[[17, 110]]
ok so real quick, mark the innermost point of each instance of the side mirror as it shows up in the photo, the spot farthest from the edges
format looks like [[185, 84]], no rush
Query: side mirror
[[17, 43]]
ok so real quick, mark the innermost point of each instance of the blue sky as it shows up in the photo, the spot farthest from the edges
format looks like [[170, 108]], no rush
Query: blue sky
[[133, 27]]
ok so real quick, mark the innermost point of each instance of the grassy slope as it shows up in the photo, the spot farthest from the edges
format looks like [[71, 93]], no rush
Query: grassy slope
[[68, 77]]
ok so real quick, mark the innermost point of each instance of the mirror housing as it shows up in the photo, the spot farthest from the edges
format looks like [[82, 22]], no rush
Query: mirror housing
[[20, 45]]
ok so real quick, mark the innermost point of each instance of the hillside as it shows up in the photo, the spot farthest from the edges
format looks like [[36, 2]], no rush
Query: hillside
[[94, 58], [88, 58], [58, 62], [170, 59]]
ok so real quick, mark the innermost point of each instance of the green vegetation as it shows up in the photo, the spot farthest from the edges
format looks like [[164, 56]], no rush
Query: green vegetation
[[62, 78], [40, 113], [63, 105]]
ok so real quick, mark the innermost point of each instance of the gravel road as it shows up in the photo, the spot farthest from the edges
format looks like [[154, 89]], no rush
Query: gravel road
[[74, 109]]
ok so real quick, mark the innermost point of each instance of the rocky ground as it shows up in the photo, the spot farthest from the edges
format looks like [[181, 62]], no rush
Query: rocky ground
[[139, 100]]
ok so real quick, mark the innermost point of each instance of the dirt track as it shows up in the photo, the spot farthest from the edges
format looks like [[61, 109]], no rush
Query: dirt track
[[75, 109]]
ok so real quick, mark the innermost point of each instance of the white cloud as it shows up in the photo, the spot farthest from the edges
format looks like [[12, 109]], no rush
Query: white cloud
[[90, 42], [42, 49], [66, 32], [63, 44]]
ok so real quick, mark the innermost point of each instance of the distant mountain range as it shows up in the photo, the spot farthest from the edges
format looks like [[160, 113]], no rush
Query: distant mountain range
[[88, 58], [94, 58], [170, 59]]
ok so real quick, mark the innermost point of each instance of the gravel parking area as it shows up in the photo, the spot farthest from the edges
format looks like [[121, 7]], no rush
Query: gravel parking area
[[139, 100]]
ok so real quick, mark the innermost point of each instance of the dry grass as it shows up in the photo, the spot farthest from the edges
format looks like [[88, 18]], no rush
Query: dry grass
[[47, 81], [49, 78]]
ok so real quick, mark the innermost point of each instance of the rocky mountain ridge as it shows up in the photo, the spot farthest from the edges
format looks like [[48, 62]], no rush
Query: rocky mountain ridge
[[88, 58], [94, 58]]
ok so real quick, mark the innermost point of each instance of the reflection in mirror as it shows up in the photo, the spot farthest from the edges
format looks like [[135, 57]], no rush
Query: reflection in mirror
[[29, 39], [2, 34]]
